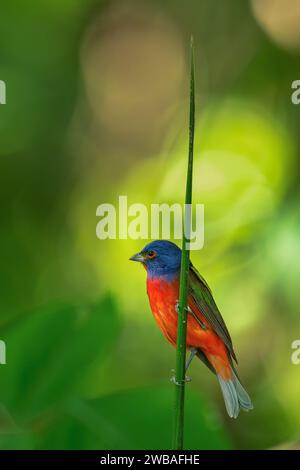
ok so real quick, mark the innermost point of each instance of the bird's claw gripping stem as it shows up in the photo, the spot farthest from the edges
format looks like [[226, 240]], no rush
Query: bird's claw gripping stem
[[174, 381], [187, 308], [193, 352]]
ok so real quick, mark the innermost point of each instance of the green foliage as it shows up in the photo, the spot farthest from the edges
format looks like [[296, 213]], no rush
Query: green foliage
[[134, 419], [50, 353]]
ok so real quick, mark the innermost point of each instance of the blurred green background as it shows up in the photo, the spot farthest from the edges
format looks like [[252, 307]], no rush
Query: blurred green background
[[97, 106]]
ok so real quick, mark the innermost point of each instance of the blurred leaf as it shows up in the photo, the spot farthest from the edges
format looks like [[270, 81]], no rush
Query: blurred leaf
[[134, 419], [49, 353], [12, 436], [20, 441]]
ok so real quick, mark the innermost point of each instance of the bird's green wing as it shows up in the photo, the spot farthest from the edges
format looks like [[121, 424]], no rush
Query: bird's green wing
[[202, 296]]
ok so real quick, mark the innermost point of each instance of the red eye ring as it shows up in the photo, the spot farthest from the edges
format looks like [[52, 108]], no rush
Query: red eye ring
[[151, 254]]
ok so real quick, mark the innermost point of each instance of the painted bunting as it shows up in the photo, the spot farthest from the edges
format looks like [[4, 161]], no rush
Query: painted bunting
[[207, 335]]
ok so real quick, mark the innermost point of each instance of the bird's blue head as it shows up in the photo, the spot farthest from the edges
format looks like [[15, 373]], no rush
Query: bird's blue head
[[161, 258]]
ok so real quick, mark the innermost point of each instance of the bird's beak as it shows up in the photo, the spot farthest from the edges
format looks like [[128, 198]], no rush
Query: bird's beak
[[137, 257]]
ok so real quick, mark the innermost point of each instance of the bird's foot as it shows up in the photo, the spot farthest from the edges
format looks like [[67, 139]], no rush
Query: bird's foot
[[174, 381], [177, 307]]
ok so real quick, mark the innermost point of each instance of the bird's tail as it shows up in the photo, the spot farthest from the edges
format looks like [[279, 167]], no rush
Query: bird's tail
[[235, 396]]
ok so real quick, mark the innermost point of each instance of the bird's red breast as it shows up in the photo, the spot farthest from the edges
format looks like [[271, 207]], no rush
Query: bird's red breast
[[163, 296]]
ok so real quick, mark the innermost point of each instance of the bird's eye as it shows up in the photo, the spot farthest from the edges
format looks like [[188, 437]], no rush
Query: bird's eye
[[151, 254]]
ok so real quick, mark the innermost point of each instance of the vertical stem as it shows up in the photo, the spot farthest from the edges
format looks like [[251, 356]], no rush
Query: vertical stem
[[184, 272]]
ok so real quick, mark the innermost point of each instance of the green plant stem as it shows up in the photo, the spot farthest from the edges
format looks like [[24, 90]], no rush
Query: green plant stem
[[184, 272]]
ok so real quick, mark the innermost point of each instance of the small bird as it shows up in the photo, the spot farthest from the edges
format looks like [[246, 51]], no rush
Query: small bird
[[207, 335]]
